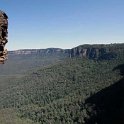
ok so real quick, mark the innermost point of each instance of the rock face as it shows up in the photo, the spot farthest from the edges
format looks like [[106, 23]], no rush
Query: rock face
[[97, 52], [3, 36]]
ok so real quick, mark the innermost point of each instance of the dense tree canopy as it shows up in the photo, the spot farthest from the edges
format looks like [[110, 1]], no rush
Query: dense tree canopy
[[73, 91]]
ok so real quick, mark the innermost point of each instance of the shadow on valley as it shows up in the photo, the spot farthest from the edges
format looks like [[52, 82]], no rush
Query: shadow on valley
[[121, 68], [107, 106]]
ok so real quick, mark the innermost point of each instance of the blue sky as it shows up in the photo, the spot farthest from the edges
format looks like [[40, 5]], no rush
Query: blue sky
[[63, 23]]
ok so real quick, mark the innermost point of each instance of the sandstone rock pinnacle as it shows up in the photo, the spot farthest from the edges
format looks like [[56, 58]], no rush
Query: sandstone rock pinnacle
[[3, 36]]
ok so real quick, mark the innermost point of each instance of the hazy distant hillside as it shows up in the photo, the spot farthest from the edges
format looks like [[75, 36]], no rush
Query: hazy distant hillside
[[41, 52], [20, 61]]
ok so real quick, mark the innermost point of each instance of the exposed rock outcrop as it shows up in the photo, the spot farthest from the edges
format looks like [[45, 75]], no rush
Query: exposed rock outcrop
[[3, 36], [98, 52]]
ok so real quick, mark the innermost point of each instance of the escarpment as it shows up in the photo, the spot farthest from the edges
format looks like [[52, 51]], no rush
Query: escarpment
[[99, 52]]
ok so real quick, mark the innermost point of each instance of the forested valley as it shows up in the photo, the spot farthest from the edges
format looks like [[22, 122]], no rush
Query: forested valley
[[64, 90]]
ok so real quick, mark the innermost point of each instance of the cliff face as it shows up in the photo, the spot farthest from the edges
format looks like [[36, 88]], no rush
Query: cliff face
[[41, 52], [96, 52], [99, 52]]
